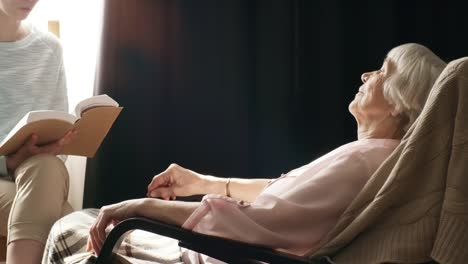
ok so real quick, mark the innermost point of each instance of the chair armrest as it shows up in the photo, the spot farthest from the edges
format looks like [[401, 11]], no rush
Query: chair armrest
[[227, 250]]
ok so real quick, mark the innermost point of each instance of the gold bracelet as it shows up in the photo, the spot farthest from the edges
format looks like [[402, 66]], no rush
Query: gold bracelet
[[228, 194]]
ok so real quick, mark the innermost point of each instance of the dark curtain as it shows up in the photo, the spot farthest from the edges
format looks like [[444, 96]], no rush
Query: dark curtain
[[244, 88]]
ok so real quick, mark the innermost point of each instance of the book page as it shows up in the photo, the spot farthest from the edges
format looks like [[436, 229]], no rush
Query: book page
[[50, 114], [95, 101], [47, 130], [35, 116]]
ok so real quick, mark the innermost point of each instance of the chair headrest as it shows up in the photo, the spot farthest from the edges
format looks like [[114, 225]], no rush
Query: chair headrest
[[455, 70], [457, 67]]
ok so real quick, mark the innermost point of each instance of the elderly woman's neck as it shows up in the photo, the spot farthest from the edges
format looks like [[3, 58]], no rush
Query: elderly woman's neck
[[385, 129]]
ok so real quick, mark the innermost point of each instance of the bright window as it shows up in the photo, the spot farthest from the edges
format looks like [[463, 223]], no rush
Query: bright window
[[79, 24]]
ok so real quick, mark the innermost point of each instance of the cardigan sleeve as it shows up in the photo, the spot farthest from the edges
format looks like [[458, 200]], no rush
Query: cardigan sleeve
[[294, 218]]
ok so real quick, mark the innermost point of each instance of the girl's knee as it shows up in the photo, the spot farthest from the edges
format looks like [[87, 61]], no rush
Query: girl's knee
[[42, 167]]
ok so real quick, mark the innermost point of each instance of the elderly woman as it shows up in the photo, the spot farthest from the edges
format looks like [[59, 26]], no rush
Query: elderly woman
[[295, 211]]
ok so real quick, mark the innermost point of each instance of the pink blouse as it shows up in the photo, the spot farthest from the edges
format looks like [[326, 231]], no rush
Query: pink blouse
[[295, 211]]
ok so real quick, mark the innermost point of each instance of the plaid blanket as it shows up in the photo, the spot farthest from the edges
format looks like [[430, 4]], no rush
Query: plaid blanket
[[68, 239]]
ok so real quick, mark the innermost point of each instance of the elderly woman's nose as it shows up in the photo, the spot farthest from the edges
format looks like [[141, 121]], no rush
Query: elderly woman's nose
[[365, 76]]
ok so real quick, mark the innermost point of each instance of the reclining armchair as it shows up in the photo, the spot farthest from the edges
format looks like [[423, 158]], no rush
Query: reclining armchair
[[437, 139]]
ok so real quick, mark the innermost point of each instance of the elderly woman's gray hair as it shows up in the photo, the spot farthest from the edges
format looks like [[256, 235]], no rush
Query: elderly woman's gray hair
[[416, 70]]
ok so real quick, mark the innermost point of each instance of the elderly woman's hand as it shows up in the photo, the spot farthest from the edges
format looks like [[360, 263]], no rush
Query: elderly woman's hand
[[111, 214], [176, 181], [172, 212]]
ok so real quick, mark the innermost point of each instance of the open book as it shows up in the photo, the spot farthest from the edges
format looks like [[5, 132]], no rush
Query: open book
[[93, 118]]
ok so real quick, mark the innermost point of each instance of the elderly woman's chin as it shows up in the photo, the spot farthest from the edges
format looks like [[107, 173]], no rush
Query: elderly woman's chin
[[353, 108]]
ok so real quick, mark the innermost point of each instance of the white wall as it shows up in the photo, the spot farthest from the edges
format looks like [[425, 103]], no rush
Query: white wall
[[80, 31]]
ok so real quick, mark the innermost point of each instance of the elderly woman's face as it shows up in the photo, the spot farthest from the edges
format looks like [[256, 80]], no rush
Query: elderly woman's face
[[370, 103]]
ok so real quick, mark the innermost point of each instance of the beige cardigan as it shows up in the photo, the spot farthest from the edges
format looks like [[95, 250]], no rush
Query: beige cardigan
[[415, 207]]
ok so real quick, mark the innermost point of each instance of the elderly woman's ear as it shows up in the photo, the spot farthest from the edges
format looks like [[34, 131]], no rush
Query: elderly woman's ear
[[395, 112]]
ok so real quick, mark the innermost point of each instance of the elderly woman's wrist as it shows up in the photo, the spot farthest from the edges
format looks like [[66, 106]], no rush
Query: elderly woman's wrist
[[145, 205], [214, 185]]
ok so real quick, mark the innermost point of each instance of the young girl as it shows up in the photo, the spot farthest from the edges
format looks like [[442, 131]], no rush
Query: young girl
[[33, 181]]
